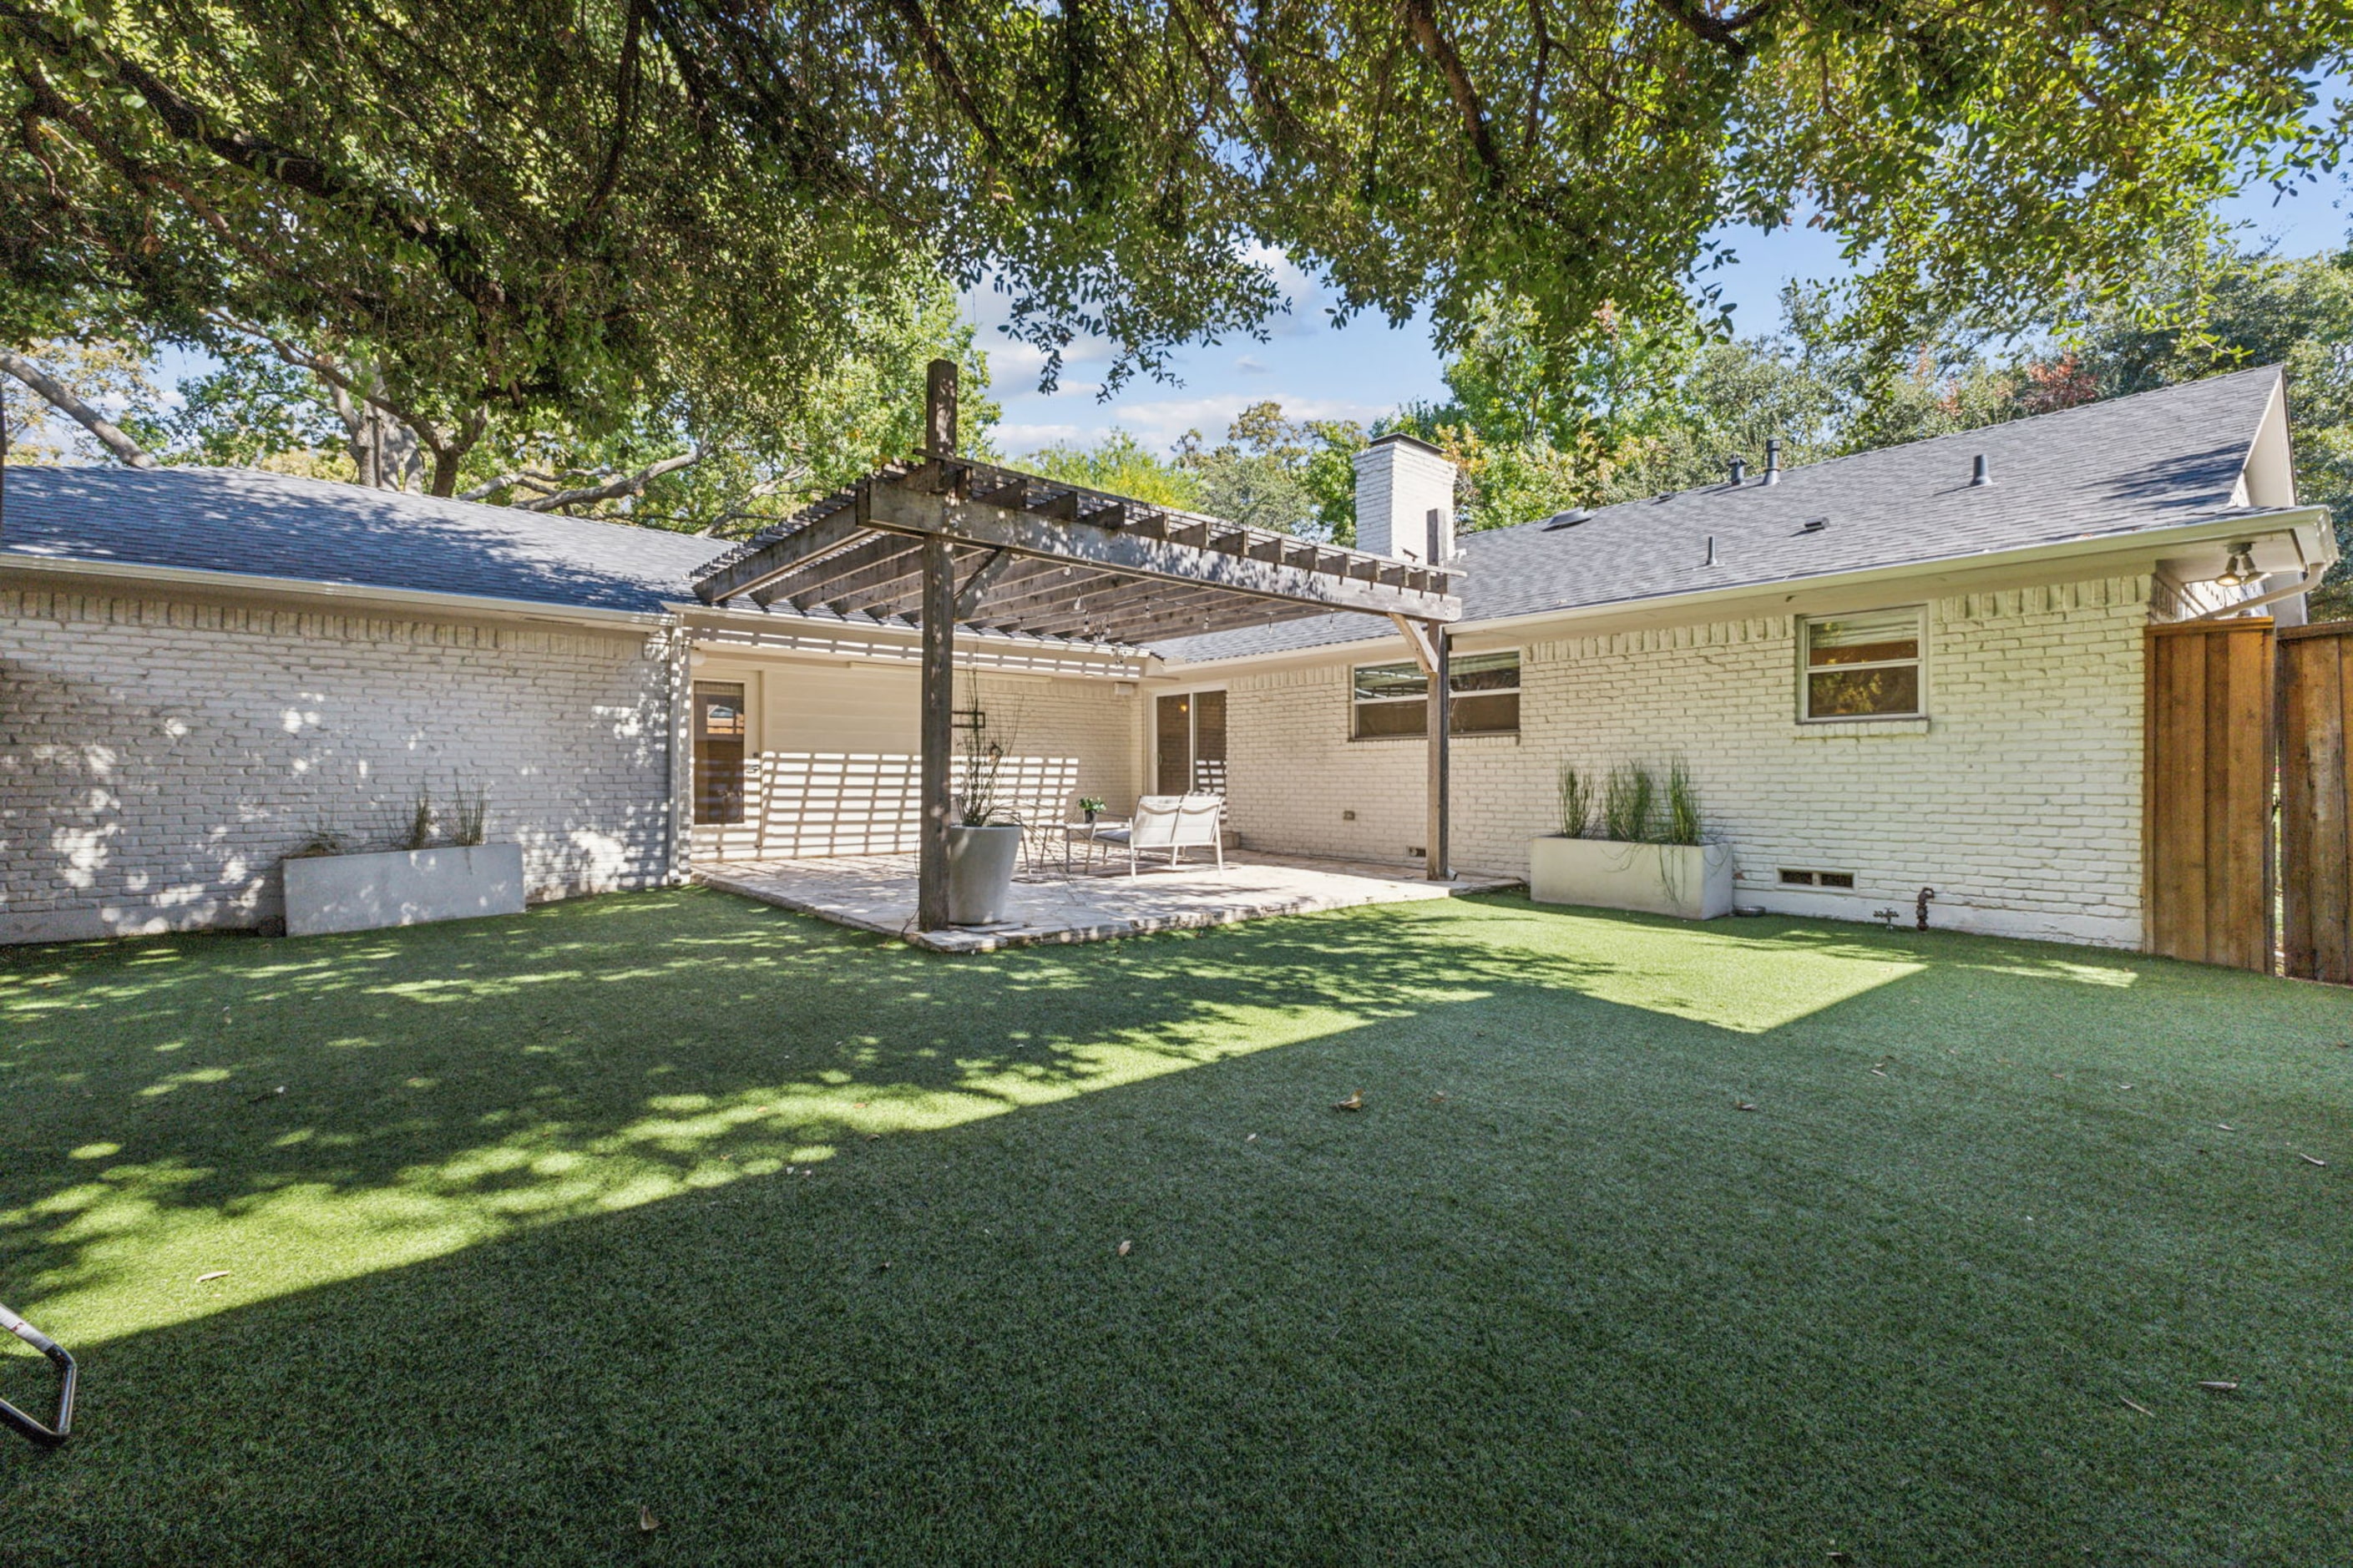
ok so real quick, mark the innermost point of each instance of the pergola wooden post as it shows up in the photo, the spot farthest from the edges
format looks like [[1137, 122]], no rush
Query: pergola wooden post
[[938, 614], [1050, 561], [1438, 867]]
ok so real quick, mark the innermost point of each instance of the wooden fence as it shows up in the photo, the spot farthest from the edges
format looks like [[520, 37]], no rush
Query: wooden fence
[[2315, 709], [2208, 817]]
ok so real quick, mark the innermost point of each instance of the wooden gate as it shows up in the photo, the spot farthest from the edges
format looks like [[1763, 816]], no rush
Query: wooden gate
[[2315, 709], [2208, 807]]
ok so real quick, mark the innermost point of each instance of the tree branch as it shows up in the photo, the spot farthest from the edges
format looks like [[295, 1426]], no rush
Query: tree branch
[[336, 376], [936, 58], [532, 478], [1722, 31], [1423, 22], [613, 488], [625, 115], [57, 395]]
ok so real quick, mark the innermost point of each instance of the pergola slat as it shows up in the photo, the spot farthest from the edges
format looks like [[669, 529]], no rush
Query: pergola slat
[[812, 543], [809, 586]]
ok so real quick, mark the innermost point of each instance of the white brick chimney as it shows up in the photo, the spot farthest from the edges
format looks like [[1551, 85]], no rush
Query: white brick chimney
[[1405, 500]]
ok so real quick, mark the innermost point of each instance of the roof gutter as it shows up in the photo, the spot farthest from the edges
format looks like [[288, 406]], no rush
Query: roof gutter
[[306, 588]]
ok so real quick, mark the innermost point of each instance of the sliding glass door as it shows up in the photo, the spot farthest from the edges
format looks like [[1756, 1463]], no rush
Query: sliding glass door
[[1189, 744]]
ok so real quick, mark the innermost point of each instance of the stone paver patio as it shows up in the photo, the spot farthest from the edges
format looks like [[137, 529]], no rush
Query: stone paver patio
[[877, 893]]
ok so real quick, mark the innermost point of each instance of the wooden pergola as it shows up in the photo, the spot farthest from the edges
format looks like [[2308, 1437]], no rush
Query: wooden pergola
[[947, 539]]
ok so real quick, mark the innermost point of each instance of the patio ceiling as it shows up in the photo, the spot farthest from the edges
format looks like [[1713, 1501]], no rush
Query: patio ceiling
[[1035, 555]]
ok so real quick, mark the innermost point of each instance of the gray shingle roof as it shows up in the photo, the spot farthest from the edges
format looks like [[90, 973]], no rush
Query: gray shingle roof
[[2154, 460], [2106, 469], [239, 520]]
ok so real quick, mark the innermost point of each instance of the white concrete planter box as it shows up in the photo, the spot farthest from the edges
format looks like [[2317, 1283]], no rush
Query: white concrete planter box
[[403, 888], [1690, 881]]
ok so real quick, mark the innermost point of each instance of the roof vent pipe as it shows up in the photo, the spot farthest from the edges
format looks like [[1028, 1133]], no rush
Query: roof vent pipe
[[1773, 459], [1739, 471], [1980, 474]]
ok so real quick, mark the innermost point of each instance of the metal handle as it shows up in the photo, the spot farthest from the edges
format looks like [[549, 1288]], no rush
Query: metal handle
[[24, 1425]]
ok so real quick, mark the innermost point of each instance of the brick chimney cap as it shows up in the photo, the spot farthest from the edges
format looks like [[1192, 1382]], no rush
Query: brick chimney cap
[[1403, 439]]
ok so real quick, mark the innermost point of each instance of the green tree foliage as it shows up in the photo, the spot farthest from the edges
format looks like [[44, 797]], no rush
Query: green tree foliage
[[599, 207], [460, 216], [1293, 475], [1823, 389], [2256, 307], [254, 410], [1119, 463], [1534, 429]]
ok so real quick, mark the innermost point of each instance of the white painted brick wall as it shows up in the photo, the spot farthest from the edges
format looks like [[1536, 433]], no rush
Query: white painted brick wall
[[2018, 800], [158, 757], [836, 770]]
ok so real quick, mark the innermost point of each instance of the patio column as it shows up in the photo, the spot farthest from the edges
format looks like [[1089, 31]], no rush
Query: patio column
[[937, 615], [1440, 865]]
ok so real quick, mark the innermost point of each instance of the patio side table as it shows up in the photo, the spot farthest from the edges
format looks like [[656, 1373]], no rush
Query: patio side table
[[1085, 833]]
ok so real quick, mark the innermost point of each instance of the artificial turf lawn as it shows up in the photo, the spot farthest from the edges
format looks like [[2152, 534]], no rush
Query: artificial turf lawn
[[526, 1243]]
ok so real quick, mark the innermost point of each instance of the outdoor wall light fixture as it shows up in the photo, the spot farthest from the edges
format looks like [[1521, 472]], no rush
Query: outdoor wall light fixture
[[2239, 570]]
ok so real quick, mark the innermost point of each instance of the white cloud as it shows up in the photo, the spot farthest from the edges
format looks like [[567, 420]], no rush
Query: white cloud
[[1250, 364], [1007, 359], [1023, 439]]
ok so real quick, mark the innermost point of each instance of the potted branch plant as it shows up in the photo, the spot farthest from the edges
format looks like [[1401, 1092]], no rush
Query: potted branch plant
[[1624, 843], [983, 845], [438, 870]]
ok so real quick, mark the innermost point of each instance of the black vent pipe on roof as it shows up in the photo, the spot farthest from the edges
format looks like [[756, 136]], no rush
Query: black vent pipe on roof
[[1980, 473], [1739, 471], [1773, 460]]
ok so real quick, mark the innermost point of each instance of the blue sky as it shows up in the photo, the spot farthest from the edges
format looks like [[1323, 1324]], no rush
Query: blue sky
[[1367, 368]]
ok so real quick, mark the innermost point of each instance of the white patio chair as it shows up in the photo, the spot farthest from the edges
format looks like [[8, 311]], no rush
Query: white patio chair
[[1172, 822]]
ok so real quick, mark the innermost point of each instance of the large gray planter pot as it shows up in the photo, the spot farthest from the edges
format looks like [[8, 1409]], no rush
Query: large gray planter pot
[[1689, 882], [403, 888], [980, 873]]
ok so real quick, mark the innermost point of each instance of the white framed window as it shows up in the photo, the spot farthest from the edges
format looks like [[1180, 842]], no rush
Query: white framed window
[[1392, 701], [1863, 665]]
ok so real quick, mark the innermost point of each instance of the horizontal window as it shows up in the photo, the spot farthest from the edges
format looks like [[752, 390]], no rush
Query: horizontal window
[[1861, 666], [1393, 699]]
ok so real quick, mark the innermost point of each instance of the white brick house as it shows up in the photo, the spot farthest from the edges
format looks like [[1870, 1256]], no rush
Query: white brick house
[[199, 669]]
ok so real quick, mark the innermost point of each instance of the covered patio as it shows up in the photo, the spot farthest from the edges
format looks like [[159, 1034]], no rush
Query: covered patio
[[946, 542], [879, 894]]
